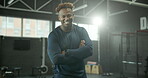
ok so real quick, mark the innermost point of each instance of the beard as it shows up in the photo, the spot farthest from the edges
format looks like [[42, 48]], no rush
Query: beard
[[67, 24]]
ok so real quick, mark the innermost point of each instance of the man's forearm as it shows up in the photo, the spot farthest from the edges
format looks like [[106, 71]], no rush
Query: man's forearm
[[80, 53]]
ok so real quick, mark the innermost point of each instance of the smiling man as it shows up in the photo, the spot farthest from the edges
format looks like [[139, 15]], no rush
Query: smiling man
[[68, 45]]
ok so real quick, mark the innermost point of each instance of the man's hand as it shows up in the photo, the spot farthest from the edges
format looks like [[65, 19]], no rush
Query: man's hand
[[82, 43], [63, 52]]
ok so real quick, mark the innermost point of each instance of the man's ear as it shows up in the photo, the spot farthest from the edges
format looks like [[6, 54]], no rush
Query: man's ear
[[73, 15]]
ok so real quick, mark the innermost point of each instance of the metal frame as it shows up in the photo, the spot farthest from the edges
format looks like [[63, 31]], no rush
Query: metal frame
[[38, 10], [122, 61], [137, 49], [75, 2], [94, 7], [28, 8], [44, 5], [80, 7], [1, 6], [117, 13], [133, 2]]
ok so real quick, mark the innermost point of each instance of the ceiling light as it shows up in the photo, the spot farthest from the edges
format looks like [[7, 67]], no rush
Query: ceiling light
[[97, 20]]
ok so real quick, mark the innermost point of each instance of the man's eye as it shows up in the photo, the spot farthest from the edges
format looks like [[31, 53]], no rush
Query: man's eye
[[63, 16], [69, 15]]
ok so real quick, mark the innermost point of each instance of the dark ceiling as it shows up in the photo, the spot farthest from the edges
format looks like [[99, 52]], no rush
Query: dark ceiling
[[50, 5], [94, 7]]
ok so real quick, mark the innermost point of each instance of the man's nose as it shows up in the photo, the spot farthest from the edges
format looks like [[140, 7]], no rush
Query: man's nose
[[67, 18]]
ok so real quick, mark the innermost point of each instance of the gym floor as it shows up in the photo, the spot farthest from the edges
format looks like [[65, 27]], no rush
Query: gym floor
[[88, 76]]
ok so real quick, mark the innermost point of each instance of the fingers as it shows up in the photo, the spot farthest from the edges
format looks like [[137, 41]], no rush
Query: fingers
[[63, 52], [82, 43]]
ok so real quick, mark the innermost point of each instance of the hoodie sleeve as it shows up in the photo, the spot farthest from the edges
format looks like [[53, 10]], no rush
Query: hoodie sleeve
[[82, 52], [54, 52]]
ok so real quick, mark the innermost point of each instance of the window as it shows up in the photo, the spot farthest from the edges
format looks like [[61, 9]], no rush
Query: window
[[29, 27], [36, 28], [2, 25], [4, 22], [10, 22], [57, 23], [26, 26], [13, 26], [42, 28], [92, 31], [86, 26]]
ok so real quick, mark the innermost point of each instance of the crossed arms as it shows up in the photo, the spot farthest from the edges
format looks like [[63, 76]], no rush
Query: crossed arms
[[70, 56]]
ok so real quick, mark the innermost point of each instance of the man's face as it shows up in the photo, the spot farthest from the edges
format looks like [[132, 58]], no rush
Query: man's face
[[66, 17]]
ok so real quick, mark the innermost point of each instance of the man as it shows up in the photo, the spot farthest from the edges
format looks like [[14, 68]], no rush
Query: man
[[68, 45]]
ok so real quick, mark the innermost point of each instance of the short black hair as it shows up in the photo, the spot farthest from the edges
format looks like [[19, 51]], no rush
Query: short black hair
[[64, 5]]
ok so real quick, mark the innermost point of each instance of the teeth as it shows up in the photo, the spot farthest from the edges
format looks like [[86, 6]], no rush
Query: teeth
[[66, 22]]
